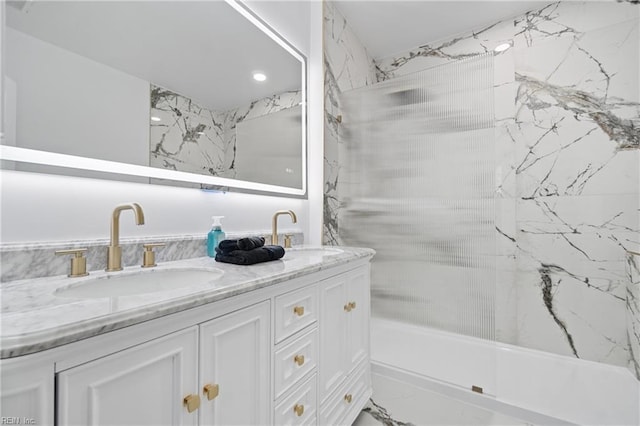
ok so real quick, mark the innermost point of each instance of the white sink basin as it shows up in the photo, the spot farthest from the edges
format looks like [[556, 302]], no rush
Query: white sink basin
[[139, 282]]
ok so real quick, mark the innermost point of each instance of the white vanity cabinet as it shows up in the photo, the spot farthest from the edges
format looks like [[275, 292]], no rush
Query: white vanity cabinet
[[143, 385], [159, 382], [344, 346], [235, 368], [291, 353], [295, 357], [27, 391]]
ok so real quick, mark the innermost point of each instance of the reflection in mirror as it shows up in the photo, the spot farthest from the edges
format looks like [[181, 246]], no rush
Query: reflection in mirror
[[164, 90], [259, 141]]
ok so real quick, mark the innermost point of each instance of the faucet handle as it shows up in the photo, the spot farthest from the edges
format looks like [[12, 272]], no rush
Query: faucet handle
[[149, 256], [78, 261], [287, 240]]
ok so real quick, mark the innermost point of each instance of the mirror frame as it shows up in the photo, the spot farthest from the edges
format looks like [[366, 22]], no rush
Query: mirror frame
[[32, 156]]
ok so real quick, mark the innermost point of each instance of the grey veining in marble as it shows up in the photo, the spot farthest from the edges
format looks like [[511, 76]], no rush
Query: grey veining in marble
[[35, 260], [567, 107], [35, 319], [633, 311], [193, 138], [379, 413], [347, 65]]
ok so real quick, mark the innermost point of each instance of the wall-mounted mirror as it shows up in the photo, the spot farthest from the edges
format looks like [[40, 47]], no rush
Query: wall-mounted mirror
[[198, 93]]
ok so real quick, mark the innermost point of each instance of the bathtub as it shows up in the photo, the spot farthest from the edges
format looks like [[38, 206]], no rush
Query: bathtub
[[535, 386]]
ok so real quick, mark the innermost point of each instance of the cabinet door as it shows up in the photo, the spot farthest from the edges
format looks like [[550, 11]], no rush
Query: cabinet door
[[235, 366], [358, 317], [143, 385], [27, 392], [333, 333]]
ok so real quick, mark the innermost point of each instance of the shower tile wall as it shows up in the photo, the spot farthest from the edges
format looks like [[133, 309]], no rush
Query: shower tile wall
[[567, 155], [347, 66], [633, 309], [196, 139]]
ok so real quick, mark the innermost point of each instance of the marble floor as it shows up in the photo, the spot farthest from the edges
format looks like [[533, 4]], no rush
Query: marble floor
[[395, 403]]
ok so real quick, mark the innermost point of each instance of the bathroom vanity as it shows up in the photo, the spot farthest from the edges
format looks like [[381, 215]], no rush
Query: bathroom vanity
[[284, 342]]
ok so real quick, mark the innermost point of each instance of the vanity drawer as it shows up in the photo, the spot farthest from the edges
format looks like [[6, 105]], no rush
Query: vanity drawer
[[295, 311], [294, 361], [343, 406], [300, 407]]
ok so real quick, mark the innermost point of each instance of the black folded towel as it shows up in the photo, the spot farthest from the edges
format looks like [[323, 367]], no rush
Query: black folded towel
[[250, 257], [250, 243]]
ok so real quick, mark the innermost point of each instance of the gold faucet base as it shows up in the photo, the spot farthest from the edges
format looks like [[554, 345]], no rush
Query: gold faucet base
[[114, 259]]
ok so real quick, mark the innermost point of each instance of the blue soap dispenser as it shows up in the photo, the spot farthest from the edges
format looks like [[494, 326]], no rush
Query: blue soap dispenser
[[215, 236]]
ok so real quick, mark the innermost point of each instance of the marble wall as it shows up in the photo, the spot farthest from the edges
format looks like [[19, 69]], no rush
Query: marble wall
[[192, 138], [347, 65], [21, 261], [633, 310], [567, 118]]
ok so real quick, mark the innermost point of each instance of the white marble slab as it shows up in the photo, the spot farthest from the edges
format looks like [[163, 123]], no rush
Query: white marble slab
[[34, 319]]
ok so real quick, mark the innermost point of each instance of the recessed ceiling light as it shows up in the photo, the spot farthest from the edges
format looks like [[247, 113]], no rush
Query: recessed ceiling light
[[258, 76], [156, 119], [502, 47]]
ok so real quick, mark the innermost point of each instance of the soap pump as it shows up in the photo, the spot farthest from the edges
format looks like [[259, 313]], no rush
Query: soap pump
[[215, 236]]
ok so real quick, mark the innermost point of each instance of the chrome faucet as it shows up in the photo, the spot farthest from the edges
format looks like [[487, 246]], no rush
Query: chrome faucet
[[274, 224], [114, 252]]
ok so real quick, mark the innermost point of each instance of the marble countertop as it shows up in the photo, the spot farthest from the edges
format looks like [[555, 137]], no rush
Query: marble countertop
[[34, 318]]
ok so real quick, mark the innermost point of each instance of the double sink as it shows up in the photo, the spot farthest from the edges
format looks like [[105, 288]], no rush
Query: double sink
[[118, 283]]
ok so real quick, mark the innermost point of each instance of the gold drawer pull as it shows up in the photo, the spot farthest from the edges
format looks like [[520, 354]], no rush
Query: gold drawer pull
[[192, 402], [211, 391], [298, 409], [299, 310], [299, 359], [347, 307], [352, 305], [348, 397]]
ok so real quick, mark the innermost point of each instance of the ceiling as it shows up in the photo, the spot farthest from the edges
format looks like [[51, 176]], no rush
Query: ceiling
[[190, 47], [391, 27], [204, 50]]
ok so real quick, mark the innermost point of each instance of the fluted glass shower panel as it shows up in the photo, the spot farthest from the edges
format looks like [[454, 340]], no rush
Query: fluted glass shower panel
[[418, 186]]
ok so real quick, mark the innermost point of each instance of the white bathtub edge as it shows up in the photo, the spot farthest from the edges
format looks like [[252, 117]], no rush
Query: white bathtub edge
[[466, 396], [551, 385]]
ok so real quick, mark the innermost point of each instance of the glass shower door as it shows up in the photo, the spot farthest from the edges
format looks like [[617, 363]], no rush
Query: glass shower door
[[419, 185]]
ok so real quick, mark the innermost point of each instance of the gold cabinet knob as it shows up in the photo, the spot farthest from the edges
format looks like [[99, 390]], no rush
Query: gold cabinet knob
[[347, 307], [149, 257], [299, 359], [192, 402], [348, 397], [78, 261], [211, 391], [298, 409], [298, 310], [352, 305]]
